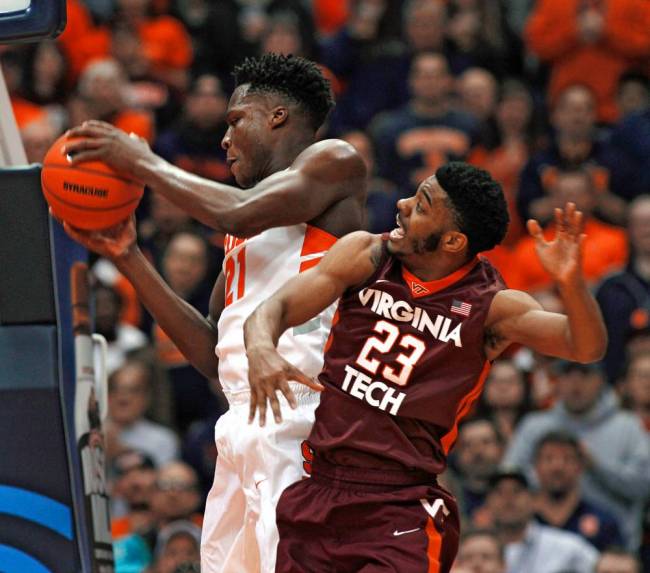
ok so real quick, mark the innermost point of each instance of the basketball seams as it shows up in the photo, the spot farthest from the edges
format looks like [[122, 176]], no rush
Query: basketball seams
[[78, 169], [86, 207]]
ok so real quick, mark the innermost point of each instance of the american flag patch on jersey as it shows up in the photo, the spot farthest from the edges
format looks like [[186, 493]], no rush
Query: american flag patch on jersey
[[460, 307]]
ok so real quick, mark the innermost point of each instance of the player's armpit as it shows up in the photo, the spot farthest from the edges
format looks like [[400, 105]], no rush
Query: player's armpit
[[349, 262], [323, 174]]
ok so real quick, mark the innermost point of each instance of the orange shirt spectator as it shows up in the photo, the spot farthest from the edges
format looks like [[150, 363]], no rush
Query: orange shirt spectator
[[330, 15], [162, 43], [605, 250], [590, 42], [79, 24]]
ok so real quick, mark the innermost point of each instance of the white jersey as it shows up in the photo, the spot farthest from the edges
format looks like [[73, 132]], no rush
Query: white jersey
[[256, 268]]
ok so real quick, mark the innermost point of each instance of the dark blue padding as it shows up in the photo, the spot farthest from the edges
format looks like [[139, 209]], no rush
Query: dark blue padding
[[42, 19]]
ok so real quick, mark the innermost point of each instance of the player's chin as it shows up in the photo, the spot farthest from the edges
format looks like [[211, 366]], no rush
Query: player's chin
[[394, 248]]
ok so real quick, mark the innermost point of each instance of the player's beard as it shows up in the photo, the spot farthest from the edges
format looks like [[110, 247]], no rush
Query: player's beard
[[428, 245]]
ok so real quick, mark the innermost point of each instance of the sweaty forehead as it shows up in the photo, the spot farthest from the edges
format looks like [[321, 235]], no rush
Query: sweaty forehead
[[243, 97], [431, 186]]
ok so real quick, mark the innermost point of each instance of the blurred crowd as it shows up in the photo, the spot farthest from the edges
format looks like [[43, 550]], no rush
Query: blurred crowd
[[552, 469]]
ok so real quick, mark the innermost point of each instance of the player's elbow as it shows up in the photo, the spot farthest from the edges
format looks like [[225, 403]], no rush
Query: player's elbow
[[240, 221], [594, 353]]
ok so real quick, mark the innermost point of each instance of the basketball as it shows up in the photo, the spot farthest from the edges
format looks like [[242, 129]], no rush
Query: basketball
[[89, 195]]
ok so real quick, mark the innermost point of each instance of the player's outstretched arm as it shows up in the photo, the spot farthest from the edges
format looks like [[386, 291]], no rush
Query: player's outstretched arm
[[349, 262], [323, 174], [515, 317], [193, 334]]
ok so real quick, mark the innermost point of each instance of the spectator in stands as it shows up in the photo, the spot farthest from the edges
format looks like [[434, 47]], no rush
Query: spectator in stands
[[478, 453], [46, 74], [479, 37], [175, 498], [186, 266], [589, 43], [122, 338], [618, 561], [633, 93], [284, 36], [199, 449], [101, 95], [129, 396], [505, 398], [176, 495], [506, 153], [37, 137], [216, 36], [133, 479], [373, 66], [529, 546], [478, 92], [480, 551], [575, 144], [381, 200], [416, 139], [624, 298], [559, 465], [605, 246], [12, 64], [635, 385], [193, 142], [616, 449], [178, 544], [631, 135], [163, 221]]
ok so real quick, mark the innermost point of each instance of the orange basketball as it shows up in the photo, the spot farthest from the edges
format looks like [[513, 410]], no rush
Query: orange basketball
[[89, 195]]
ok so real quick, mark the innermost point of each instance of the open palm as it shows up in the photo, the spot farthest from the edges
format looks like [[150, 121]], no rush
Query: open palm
[[562, 256]]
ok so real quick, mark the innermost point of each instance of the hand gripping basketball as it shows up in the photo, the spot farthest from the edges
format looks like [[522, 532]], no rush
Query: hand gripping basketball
[[89, 195]]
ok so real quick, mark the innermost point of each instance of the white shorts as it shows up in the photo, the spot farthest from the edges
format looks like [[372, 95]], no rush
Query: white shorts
[[254, 466]]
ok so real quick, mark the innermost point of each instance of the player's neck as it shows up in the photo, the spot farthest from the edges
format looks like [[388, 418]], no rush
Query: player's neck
[[286, 151], [432, 266]]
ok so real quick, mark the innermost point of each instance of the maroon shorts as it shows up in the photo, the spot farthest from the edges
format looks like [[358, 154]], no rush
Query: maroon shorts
[[330, 524]]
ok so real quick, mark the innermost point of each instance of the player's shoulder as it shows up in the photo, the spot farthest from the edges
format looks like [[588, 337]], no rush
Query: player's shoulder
[[509, 303], [332, 154], [360, 241]]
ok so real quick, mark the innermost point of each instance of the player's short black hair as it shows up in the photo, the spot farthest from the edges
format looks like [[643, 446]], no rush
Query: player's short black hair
[[297, 78], [478, 204]]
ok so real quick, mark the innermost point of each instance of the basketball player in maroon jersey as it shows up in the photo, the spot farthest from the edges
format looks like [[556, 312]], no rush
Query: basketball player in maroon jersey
[[419, 321]]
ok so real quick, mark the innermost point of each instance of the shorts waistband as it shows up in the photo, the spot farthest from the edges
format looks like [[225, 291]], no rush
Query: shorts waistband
[[365, 478], [304, 396]]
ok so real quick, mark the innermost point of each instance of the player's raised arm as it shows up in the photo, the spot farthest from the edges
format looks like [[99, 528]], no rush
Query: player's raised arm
[[286, 176], [323, 174], [194, 334], [349, 262], [515, 317]]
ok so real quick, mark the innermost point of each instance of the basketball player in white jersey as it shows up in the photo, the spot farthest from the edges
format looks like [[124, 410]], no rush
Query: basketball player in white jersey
[[299, 197]]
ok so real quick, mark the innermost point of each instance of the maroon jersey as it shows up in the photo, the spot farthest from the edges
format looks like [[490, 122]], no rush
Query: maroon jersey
[[404, 363]]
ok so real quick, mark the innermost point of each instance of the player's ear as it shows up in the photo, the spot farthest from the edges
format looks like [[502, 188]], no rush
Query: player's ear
[[279, 115], [454, 241]]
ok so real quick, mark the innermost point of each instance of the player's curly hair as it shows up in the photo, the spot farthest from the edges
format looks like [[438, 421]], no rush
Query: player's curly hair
[[297, 78], [478, 204]]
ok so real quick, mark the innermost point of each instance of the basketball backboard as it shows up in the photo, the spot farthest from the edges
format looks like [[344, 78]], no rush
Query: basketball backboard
[[31, 20]]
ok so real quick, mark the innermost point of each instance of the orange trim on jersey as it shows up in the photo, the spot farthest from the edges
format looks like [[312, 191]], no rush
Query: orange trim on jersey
[[421, 288], [330, 338], [434, 547], [466, 403], [230, 242], [316, 241]]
